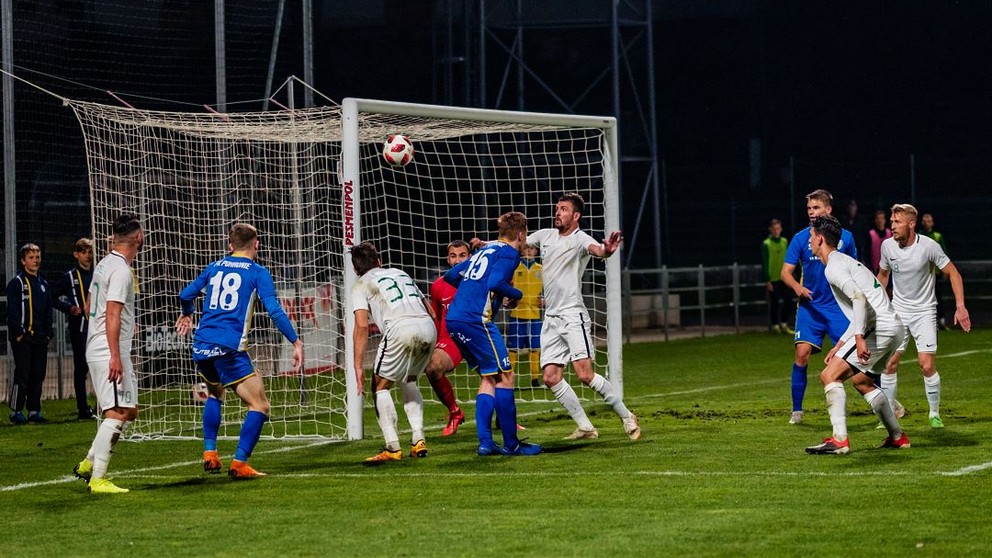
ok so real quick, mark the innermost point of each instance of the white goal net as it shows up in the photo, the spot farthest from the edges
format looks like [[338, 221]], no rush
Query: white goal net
[[314, 182]]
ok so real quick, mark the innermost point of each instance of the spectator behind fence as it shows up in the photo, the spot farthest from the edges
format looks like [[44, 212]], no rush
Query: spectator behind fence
[[928, 231], [876, 235], [29, 330], [69, 297], [773, 251], [858, 225]]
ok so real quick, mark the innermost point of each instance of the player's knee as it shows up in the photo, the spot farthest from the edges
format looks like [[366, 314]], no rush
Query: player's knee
[[826, 376]]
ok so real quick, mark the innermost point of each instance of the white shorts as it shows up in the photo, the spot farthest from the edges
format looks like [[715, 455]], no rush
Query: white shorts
[[882, 345], [113, 394], [923, 328], [405, 350], [566, 339]]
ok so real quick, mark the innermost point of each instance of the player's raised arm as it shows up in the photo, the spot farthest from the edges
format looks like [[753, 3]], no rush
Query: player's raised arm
[[609, 245], [454, 275]]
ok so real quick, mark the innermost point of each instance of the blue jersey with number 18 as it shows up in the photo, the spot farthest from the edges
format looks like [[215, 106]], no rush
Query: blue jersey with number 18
[[230, 287]]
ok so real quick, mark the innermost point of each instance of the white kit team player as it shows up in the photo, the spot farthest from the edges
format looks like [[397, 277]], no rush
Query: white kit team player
[[108, 351], [871, 338], [911, 260], [389, 297], [566, 333]]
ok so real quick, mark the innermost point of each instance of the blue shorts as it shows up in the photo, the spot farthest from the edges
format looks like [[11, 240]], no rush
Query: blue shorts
[[481, 345], [523, 333], [813, 323], [220, 366]]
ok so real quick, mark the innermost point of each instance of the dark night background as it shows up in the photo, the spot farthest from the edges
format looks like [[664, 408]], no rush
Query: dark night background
[[880, 101]]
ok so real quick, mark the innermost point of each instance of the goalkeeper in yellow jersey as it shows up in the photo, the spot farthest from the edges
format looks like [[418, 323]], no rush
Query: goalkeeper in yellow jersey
[[524, 331]]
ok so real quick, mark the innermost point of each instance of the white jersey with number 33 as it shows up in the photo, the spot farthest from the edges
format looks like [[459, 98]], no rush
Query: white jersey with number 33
[[390, 295]]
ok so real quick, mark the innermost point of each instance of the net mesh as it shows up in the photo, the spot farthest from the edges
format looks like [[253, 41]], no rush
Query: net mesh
[[190, 176]]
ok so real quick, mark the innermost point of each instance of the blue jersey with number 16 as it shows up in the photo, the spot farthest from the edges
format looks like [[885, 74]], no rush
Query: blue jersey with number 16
[[230, 287]]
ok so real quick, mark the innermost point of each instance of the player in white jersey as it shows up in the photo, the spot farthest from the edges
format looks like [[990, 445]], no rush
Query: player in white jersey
[[108, 350], [873, 335], [390, 298], [910, 260], [566, 334]]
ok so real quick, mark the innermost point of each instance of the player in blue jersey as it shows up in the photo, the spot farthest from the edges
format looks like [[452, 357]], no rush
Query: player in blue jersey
[[484, 284], [818, 314], [230, 287]]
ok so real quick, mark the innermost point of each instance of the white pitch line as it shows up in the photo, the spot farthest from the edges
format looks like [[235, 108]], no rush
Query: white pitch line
[[135, 472], [968, 470], [555, 474]]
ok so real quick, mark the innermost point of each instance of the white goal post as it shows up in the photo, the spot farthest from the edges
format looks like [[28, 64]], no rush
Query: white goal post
[[470, 166], [314, 183]]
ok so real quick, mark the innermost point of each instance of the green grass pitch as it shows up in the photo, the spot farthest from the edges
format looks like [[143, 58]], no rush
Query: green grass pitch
[[718, 472]]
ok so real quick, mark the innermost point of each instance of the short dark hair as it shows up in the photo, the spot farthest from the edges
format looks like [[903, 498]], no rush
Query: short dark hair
[[574, 198], [242, 235], [774, 222], [125, 224], [828, 227], [458, 244], [364, 257], [821, 195]]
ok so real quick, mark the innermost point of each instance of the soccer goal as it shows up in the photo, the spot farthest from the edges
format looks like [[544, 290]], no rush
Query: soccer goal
[[314, 182]]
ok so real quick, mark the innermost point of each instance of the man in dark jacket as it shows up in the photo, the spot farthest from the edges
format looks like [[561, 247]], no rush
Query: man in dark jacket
[[70, 298], [29, 329]]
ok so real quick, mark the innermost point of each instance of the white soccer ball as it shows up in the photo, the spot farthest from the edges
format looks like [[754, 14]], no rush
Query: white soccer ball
[[397, 150], [199, 392]]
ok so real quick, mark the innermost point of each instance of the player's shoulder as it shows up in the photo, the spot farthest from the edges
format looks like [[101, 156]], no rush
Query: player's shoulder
[[801, 236]]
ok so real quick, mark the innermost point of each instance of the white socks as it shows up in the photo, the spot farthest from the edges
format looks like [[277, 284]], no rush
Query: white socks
[[882, 408], [413, 406], [888, 383], [566, 396], [103, 444], [605, 389], [932, 387], [837, 408], [385, 413]]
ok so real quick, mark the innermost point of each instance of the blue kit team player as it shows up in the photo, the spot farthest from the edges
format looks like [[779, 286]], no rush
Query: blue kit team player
[[230, 287], [483, 282], [818, 314]]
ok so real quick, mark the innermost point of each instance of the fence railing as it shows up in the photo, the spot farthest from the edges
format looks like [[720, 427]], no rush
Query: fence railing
[[703, 299]]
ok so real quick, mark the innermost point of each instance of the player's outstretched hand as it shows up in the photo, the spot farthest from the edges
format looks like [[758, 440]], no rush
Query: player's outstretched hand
[[612, 243], [962, 318], [298, 356], [183, 325]]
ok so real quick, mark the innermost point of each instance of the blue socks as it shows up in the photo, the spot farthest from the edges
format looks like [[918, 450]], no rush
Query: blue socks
[[484, 405], [250, 432], [798, 386], [506, 412], [211, 423]]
